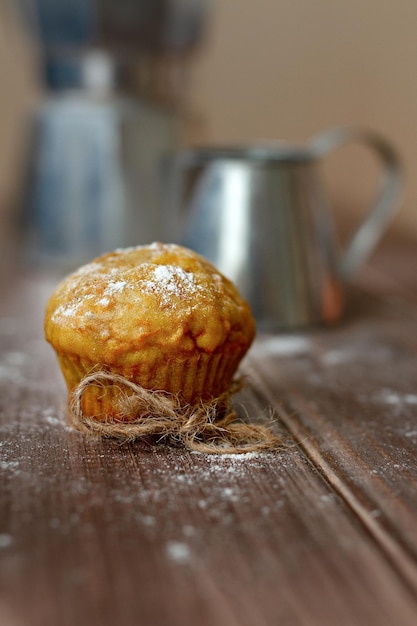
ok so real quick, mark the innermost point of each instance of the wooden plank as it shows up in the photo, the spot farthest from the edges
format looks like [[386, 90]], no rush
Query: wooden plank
[[349, 396], [98, 533]]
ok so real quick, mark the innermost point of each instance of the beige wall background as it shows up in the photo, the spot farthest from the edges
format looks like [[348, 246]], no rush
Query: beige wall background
[[273, 69], [288, 69]]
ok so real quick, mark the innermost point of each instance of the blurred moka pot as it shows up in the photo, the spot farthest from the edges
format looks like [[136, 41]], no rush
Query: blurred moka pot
[[151, 39], [114, 79], [94, 165], [260, 214]]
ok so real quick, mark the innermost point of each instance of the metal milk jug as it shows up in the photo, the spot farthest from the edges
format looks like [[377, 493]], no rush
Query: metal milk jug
[[261, 215]]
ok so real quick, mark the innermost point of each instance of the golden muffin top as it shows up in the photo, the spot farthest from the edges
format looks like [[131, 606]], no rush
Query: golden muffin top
[[146, 302]]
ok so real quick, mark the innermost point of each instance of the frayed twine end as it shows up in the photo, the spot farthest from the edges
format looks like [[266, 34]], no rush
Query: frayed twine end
[[210, 426]]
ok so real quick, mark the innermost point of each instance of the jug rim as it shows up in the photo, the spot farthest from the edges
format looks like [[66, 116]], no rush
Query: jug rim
[[261, 153]]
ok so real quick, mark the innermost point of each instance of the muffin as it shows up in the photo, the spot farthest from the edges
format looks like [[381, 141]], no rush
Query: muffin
[[160, 316]]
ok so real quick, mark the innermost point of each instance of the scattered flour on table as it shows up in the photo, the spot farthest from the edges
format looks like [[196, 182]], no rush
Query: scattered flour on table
[[147, 520], [389, 396], [286, 345], [6, 540], [9, 466], [54, 420], [235, 457], [337, 357], [178, 552]]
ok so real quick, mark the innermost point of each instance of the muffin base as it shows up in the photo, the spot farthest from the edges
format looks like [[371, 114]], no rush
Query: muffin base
[[196, 378]]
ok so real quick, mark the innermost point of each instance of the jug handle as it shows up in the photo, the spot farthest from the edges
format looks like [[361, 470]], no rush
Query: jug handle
[[371, 229]]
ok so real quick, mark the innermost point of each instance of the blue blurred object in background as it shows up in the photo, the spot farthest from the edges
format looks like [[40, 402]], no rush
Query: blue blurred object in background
[[174, 25], [62, 23], [113, 75]]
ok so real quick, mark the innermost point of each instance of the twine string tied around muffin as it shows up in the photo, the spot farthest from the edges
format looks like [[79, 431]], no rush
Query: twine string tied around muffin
[[210, 426]]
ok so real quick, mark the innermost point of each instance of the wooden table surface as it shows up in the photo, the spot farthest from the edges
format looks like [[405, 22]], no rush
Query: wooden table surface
[[322, 532]]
